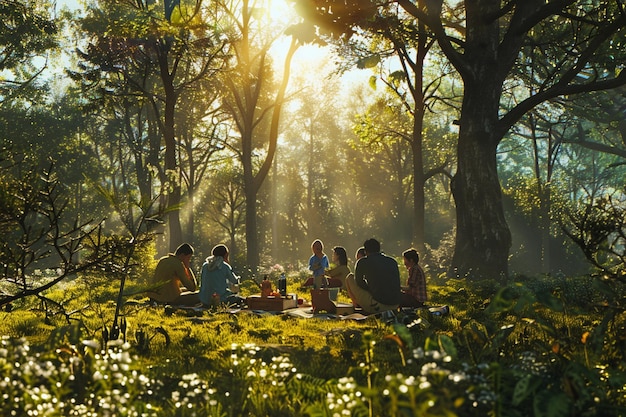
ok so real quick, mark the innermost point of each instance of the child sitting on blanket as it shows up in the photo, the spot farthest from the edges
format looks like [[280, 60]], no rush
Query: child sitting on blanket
[[414, 293], [318, 263]]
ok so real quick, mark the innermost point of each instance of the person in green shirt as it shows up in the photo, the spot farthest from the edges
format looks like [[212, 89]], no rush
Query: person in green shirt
[[173, 281]]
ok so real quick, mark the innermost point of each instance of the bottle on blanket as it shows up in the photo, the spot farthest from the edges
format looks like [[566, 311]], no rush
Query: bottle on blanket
[[266, 287], [282, 285]]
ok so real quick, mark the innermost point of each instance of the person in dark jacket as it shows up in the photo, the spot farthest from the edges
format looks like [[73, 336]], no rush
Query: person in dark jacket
[[375, 286]]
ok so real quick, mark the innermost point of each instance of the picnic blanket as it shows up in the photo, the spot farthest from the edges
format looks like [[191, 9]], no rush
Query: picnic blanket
[[306, 312]]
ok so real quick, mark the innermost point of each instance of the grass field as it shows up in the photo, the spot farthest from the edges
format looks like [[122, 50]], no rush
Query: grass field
[[501, 355]]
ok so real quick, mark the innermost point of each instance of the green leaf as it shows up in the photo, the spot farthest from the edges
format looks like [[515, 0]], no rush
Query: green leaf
[[548, 299], [404, 334], [504, 300], [372, 82], [397, 77], [502, 335], [476, 332], [596, 340], [527, 299], [368, 62], [524, 388], [551, 404], [447, 345], [603, 287], [430, 344], [304, 32], [575, 382]]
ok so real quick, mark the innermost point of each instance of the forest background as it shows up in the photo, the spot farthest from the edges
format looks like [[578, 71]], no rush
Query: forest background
[[490, 135], [238, 122]]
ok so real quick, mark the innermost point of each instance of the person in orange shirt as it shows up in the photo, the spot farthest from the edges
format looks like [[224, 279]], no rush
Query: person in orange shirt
[[173, 281]]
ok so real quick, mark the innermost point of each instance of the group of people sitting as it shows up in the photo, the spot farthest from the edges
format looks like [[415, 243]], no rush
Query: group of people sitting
[[175, 283], [375, 284]]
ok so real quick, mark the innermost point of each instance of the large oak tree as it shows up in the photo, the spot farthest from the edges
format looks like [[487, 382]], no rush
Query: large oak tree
[[489, 42]]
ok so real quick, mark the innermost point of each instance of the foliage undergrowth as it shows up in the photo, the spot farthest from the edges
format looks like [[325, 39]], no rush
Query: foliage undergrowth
[[539, 347]]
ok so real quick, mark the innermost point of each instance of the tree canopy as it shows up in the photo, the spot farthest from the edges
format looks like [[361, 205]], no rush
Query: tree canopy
[[561, 48], [473, 121]]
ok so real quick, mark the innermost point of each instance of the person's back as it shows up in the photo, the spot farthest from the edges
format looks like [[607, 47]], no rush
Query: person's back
[[218, 278], [214, 277], [382, 275], [375, 286], [173, 280], [166, 277]]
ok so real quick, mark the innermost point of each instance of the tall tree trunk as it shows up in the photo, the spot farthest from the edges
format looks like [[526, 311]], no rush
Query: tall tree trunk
[[253, 182], [191, 184], [543, 192], [546, 203], [419, 177], [252, 248], [174, 198], [274, 203], [191, 218], [172, 171], [544, 218], [252, 238], [419, 183], [483, 237]]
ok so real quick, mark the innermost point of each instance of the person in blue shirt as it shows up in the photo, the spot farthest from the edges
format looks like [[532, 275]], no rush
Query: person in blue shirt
[[318, 263], [218, 279]]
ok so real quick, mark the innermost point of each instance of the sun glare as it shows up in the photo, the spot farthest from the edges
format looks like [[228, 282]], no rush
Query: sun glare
[[281, 9], [310, 61]]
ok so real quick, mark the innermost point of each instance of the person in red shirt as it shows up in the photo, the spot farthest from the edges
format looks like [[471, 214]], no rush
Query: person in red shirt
[[414, 293]]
